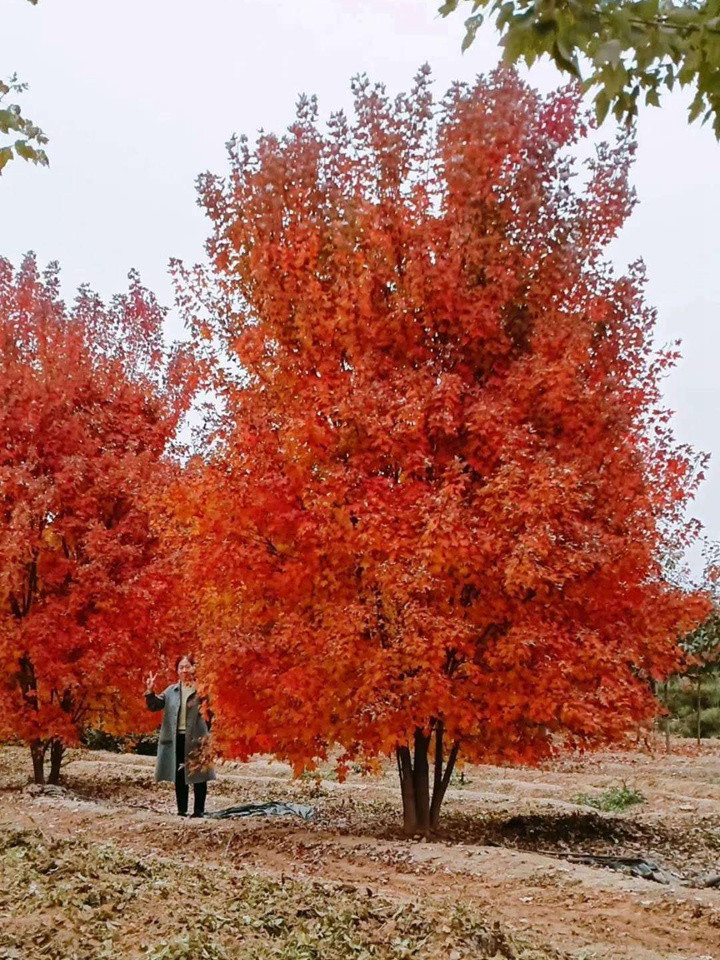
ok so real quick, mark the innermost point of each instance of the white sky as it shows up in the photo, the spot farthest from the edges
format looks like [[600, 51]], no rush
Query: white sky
[[139, 96]]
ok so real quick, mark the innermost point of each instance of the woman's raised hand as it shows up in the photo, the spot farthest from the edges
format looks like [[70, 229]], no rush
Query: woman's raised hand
[[150, 682]]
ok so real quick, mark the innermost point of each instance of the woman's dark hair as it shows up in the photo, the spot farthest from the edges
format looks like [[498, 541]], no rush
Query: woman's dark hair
[[185, 656]]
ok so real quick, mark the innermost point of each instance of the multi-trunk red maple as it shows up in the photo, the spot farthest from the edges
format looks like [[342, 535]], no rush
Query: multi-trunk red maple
[[88, 404], [434, 516]]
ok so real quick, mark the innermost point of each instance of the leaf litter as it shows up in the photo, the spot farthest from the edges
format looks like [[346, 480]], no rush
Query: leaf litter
[[70, 900]]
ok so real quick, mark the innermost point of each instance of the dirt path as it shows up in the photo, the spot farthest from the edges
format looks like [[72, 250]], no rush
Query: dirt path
[[509, 833]]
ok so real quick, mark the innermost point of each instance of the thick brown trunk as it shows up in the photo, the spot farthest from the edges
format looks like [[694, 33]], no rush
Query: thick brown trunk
[[37, 752], [57, 749], [407, 790], [421, 814]]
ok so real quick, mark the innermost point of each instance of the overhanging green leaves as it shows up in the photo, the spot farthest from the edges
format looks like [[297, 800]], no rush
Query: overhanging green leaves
[[27, 139], [624, 50]]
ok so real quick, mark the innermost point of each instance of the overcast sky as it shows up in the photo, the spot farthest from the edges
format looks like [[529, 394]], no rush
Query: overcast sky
[[139, 96]]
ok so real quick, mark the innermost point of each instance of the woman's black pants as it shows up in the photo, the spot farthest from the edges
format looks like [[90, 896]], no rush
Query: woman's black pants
[[181, 788]]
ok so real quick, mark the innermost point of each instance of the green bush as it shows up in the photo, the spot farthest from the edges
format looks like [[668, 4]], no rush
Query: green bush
[[611, 800]]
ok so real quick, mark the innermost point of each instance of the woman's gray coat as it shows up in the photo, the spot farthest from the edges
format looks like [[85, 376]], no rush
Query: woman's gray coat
[[195, 729]]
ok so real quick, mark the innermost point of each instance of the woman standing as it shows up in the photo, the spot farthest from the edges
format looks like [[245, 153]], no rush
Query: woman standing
[[183, 734]]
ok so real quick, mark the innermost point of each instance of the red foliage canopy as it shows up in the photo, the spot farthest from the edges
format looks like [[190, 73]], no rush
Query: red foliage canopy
[[88, 405], [444, 485]]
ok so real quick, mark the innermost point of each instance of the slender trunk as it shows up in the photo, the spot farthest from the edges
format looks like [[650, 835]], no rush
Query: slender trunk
[[421, 782], [438, 765], [439, 795], [37, 752], [28, 686], [421, 813], [698, 683], [57, 749], [667, 718], [407, 790]]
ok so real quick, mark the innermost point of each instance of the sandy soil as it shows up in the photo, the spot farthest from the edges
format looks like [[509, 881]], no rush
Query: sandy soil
[[503, 879]]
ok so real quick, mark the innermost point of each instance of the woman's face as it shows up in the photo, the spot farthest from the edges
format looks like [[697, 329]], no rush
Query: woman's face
[[186, 671]]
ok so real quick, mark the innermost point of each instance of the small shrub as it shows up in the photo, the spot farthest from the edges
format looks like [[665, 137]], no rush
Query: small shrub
[[317, 775], [611, 800]]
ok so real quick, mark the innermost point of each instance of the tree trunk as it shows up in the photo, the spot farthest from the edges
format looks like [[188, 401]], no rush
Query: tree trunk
[[28, 686], [667, 718], [57, 749], [438, 770], [421, 782], [699, 709], [407, 790], [442, 781], [421, 814], [37, 752]]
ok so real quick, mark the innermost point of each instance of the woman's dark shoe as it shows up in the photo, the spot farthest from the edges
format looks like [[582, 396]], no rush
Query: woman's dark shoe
[[196, 816]]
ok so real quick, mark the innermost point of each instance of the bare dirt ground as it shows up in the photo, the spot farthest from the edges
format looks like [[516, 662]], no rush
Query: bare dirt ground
[[103, 869]]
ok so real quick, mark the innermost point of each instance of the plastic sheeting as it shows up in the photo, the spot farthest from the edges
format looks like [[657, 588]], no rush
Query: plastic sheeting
[[264, 810]]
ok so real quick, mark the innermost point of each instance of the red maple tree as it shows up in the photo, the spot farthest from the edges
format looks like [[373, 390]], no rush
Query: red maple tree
[[89, 401], [434, 516]]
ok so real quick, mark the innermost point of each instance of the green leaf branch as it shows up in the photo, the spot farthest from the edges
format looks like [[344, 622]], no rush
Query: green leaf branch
[[23, 138], [625, 52]]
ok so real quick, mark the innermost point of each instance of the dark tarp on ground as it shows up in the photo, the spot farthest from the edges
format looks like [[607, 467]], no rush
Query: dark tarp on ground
[[264, 810]]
